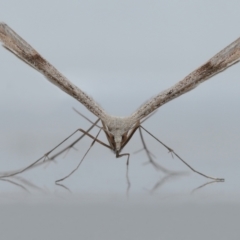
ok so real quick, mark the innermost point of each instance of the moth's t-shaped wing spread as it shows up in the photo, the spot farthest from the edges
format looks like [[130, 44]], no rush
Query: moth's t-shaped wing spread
[[221, 61], [13, 42]]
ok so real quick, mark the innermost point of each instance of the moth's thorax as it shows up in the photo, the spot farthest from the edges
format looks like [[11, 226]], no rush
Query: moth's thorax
[[117, 128]]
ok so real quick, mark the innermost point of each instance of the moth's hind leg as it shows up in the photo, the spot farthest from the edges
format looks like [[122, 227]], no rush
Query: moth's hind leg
[[150, 155], [175, 154], [46, 157], [75, 169]]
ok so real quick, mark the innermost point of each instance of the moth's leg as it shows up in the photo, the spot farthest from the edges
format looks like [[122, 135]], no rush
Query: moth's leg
[[124, 154], [127, 154], [75, 169], [149, 154], [173, 152], [85, 133], [66, 149], [83, 116], [125, 142], [129, 136], [13, 173], [77, 140], [72, 144], [168, 148], [38, 161], [127, 164]]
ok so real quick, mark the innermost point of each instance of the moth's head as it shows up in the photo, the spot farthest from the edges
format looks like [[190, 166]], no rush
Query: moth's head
[[118, 140], [117, 130]]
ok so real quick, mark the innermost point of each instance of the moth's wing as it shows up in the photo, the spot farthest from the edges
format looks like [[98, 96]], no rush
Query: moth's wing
[[13, 42], [220, 62]]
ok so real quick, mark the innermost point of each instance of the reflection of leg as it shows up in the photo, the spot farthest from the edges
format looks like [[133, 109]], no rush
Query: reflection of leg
[[149, 154], [166, 179], [172, 152], [74, 170], [16, 184], [204, 185], [128, 181], [63, 186]]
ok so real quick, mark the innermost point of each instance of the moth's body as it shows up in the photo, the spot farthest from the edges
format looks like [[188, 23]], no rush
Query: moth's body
[[118, 130], [115, 130]]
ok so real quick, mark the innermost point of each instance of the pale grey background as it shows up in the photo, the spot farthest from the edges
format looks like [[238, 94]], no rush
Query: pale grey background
[[121, 53]]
